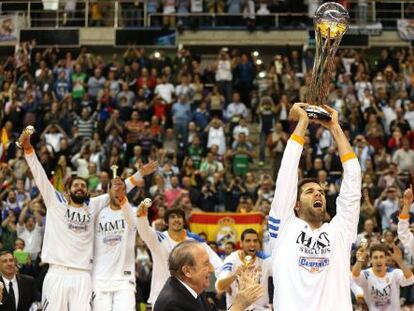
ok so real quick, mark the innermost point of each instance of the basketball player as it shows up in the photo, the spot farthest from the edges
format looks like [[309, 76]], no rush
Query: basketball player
[[311, 260]]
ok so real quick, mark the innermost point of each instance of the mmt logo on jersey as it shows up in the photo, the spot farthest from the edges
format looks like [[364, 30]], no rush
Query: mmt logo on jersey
[[77, 222], [313, 264], [112, 231]]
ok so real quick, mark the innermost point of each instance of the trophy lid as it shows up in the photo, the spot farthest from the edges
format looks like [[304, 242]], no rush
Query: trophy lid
[[331, 19]]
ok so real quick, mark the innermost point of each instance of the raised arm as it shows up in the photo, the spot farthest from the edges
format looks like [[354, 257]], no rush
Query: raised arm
[[404, 233], [39, 174], [361, 255], [130, 182], [282, 208], [145, 170], [397, 256], [151, 237], [349, 199]]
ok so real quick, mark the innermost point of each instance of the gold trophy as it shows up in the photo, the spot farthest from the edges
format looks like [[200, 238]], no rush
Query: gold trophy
[[114, 169], [331, 21], [248, 260], [29, 130], [364, 244]]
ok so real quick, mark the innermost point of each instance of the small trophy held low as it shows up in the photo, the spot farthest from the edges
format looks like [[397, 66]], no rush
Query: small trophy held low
[[331, 21], [248, 260], [29, 130], [364, 244]]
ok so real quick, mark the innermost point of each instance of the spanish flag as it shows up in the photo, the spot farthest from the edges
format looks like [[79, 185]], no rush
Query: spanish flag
[[224, 227]]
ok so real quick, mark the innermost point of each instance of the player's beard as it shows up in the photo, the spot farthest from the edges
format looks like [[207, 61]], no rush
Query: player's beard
[[78, 199]]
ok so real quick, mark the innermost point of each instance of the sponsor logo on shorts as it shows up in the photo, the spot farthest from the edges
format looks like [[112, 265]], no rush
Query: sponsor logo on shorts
[[127, 272], [313, 264]]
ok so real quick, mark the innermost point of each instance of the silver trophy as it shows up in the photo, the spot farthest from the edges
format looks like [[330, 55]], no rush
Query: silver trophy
[[331, 21], [29, 130]]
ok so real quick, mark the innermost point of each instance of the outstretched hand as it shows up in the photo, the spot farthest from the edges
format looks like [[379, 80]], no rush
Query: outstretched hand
[[408, 196], [148, 168], [249, 289], [396, 254], [24, 141], [329, 124], [297, 112]]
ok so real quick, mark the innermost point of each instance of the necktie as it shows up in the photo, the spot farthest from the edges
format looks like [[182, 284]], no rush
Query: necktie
[[12, 297], [201, 302]]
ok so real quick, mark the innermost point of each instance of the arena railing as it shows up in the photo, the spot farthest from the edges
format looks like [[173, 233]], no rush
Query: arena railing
[[123, 13]]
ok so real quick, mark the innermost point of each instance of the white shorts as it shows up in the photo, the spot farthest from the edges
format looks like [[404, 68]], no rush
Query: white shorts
[[66, 289], [120, 300]]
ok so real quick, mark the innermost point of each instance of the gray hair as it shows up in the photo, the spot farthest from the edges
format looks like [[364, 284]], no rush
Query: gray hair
[[180, 256]]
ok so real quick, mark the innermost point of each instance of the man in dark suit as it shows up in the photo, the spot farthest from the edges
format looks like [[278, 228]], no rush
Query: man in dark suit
[[19, 291], [190, 270]]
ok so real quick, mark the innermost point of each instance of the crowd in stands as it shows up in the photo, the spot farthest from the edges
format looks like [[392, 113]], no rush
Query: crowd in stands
[[212, 126]]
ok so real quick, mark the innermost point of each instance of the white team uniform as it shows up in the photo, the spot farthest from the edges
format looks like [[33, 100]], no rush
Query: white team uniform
[[230, 266], [311, 267], [113, 274], [405, 236], [161, 244], [67, 245], [382, 294]]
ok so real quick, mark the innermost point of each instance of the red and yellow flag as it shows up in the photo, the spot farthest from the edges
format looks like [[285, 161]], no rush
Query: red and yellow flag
[[224, 227]]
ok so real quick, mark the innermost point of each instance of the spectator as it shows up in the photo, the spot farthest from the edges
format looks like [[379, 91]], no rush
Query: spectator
[[216, 135], [404, 157], [30, 230], [387, 204]]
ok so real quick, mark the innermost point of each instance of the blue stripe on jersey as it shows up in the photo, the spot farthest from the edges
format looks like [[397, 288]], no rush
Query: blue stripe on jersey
[[366, 274], [273, 227], [274, 220], [228, 264], [58, 195], [195, 236], [262, 255], [226, 268], [160, 236], [273, 235]]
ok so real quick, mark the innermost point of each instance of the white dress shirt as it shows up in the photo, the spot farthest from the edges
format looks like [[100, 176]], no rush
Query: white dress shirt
[[192, 291]]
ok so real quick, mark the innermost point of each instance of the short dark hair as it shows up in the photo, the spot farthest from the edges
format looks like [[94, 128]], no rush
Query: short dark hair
[[303, 182], [378, 247], [176, 210], [72, 180], [248, 231], [231, 243], [180, 256], [5, 252], [19, 239]]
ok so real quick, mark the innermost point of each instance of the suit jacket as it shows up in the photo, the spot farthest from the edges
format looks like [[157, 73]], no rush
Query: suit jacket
[[175, 297], [27, 293]]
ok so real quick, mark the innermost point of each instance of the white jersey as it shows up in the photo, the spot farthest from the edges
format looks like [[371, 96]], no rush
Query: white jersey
[[382, 294], [405, 235], [114, 250], [68, 238], [230, 266], [161, 244], [311, 267]]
